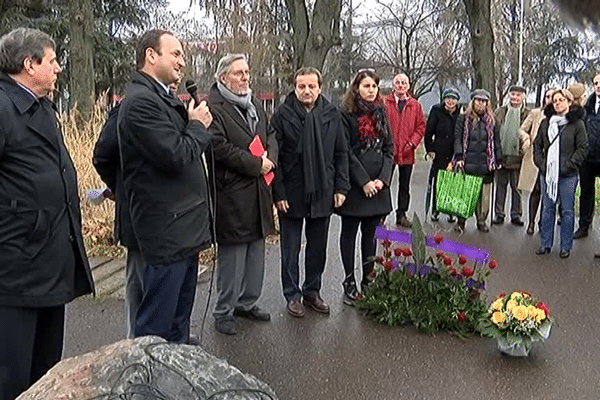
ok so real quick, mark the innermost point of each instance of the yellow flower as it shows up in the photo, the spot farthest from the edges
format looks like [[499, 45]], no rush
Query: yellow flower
[[540, 316], [510, 305], [498, 318], [497, 305], [532, 312], [516, 295], [520, 312]]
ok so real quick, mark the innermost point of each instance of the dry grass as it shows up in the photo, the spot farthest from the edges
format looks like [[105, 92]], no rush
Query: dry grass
[[97, 221]]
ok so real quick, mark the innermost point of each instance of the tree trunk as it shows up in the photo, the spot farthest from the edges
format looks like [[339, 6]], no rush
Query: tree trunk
[[312, 41], [81, 58], [482, 40]]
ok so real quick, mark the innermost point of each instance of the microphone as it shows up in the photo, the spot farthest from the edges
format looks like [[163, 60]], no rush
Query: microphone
[[192, 89]]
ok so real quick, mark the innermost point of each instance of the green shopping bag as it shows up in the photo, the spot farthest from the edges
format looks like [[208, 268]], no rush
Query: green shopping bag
[[457, 193]]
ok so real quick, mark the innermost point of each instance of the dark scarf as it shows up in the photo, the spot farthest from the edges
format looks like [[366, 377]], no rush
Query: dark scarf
[[371, 120], [311, 148], [488, 121]]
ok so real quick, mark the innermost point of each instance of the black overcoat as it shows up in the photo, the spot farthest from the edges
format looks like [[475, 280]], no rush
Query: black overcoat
[[439, 134], [164, 177], [366, 163], [289, 178], [244, 202], [42, 257]]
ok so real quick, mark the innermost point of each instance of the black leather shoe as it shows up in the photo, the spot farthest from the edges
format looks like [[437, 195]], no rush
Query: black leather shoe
[[542, 250], [451, 219], [295, 308], [564, 253], [317, 304], [226, 325], [435, 217], [517, 221], [498, 221], [483, 227], [403, 222], [581, 233], [254, 313]]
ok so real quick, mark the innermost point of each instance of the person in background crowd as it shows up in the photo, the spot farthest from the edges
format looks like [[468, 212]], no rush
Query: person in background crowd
[[578, 91], [477, 151], [439, 139], [161, 145], [243, 199], [590, 169], [312, 181], [43, 263], [529, 177], [560, 148], [408, 127], [371, 151], [509, 118]]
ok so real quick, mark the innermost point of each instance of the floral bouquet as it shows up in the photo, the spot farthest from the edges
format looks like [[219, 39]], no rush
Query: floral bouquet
[[517, 321], [441, 292]]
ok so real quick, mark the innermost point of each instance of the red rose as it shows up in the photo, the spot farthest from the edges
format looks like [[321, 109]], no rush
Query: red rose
[[388, 265], [407, 252], [380, 259], [467, 272], [387, 243], [453, 271], [439, 254], [462, 317], [462, 260], [438, 239], [543, 307], [387, 253], [447, 261], [502, 295], [398, 251], [493, 264]]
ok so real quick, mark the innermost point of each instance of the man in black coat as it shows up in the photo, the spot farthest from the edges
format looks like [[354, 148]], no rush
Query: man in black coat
[[244, 205], [591, 166], [43, 264], [311, 181], [161, 145]]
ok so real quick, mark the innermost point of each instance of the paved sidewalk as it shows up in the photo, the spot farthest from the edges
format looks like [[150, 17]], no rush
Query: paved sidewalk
[[347, 356]]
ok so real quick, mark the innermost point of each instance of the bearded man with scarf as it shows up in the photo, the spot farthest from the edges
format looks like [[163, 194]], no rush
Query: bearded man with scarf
[[559, 150], [477, 150], [311, 182], [509, 118], [244, 206]]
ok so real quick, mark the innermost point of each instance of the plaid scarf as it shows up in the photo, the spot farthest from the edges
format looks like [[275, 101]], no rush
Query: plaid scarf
[[488, 120]]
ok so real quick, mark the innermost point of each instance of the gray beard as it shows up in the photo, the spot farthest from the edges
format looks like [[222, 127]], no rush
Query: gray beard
[[239, 92]]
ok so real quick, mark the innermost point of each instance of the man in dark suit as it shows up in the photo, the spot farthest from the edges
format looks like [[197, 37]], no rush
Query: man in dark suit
[[312, 181], [165, 189], [43, 264], [243, 197]]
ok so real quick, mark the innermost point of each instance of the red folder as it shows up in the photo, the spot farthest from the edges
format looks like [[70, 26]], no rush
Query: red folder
[[257, 149]]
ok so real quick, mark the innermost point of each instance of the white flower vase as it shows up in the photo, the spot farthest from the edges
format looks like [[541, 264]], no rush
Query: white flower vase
[[515, 349]]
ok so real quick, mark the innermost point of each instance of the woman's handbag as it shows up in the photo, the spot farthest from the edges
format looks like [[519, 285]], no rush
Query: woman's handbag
[[457, 193]]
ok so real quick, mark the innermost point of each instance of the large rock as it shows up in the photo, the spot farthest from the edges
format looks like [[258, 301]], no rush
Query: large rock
[[146, 368]]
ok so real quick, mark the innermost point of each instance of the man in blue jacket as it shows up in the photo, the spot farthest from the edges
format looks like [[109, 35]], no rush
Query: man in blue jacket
[[165, 189], [43, 264]]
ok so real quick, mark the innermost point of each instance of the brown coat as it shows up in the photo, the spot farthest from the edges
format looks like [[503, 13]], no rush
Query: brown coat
[[528, 132]]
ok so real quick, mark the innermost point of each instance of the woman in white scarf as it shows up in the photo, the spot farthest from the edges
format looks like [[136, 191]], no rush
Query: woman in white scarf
[[559, 150]]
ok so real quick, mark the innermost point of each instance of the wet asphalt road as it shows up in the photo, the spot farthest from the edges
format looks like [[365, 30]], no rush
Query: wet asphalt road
[[346, 356]]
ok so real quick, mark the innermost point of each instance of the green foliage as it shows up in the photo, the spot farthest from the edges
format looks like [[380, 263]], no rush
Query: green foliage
[[432, 297]]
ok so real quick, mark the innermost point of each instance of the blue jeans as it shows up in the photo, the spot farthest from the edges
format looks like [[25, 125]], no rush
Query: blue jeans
[[566, 195]]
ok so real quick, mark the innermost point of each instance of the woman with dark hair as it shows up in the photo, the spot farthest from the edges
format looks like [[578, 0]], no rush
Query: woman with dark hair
[[370, 159], [560, 148]]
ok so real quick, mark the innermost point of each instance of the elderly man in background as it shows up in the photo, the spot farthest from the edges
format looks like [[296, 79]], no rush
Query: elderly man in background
[[244, 206], [407, 123], [509, 118], [43, 264], [312, 181]]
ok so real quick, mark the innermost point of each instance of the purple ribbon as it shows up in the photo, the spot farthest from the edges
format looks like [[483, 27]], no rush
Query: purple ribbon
[[448, 246]]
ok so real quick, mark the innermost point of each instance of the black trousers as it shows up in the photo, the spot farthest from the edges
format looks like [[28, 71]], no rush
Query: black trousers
[[587, 179], [368, 246], [316, 232], [31, 342], [404, 173]]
